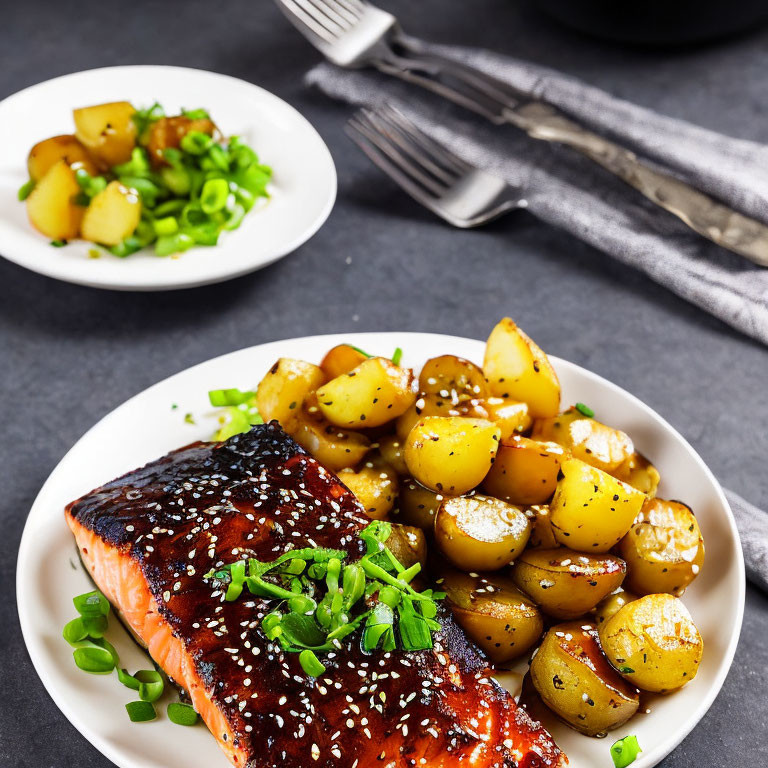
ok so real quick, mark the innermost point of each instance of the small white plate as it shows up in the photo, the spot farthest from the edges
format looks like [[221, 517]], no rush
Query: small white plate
[[146, 427], [303, 188]]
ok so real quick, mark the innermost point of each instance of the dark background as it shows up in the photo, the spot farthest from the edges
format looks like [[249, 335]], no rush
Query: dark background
[[69, 355]]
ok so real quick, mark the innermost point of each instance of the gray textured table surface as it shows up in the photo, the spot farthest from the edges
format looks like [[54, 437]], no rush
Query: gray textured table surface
[[69, 355]]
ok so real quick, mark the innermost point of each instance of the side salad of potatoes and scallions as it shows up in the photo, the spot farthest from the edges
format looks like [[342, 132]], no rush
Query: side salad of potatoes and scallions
[[543, 526], [127, 179]]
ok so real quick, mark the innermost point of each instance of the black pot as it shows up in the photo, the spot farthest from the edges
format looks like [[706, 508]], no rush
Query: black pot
[[658, 22]]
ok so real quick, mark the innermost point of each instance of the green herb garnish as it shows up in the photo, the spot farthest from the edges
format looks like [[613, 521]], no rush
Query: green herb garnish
[[397, 356], [240, 412], [321, 598], [625, 751], [626, 670], [140, 711], [585, 410], [94, 659], [189, 418], [25, 190], [357, 349], [58, 243], [182, 714]]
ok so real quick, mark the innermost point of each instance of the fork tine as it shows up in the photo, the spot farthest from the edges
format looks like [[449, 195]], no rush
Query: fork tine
[[397, 160], [343, 10], [438, 152], [355, 7], [331, 14], [391, 131], [307, 24], [311, 9]]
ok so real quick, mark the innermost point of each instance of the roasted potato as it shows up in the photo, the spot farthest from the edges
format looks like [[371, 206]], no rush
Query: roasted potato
[[573, 678], [47, 153], [50, 205], [374, 485], [653, 642], [373, 393], [542, 535], [408, 545], [392, 450], [611, 604], [586, 438], [525, 471], [284, 388], [591, 510], [418, 505], [453, 379], [500, 619], [480, 533], [114, 213], [434, 405], [567, 584], [167, 133], [664, 549], [340, 360], [333, 447], [638, 472], [451, 454], [517, 369], [107, 131], [511, 417]]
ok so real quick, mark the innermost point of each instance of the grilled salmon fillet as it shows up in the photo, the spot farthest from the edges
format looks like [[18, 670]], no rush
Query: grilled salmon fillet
[[149, 537]]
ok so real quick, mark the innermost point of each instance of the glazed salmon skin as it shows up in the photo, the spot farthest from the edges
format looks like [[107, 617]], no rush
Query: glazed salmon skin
[[149, 537]]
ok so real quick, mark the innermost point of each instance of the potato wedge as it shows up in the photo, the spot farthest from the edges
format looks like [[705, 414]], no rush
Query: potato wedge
[[453, 379], [418, 505], [342, 359], [107, 131], [525, 471], [408, 545], [392, 450], [114, 213], [334, 448], [664, 548], [574, 679], [516, 368], [496, 615], [480, 533], [542, 535], [638, 472], [511, 417], [373, 393], [654, 643], [586, 438], [284, 388], [50, 205], [47, 153], [375, 486], [591, 510], [611, 604], [451, 454], [567, 584]]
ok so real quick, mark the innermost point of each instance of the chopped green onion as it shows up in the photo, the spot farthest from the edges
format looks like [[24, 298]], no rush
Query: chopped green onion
[[196, 114], [177, 180], [218, 157], [170, 244], [189, 418], [214, 195], [235, 217], [140, 711], [585, 410], [311, 664], [95, 626], [26, 189], [151, 684], [223, 397], [182, 714], [169, 208], [398, 356], [58, 243], [196, 142], [357, 349], [94, 659], [91, 604], [166, 226], [625, 751], [128, 680], [74, 631]]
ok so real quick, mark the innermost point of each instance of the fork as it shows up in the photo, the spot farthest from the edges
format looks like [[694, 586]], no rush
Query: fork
[[356, 34], [429, 172]]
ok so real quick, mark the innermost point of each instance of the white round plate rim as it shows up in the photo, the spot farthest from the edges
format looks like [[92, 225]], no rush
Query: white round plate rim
[[380, 342], [22, 245]]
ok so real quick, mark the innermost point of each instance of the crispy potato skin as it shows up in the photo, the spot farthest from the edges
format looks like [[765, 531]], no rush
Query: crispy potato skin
[[373, 393], [664, 548], [653, 643], [341, 359], [586, 439], [564, 583], [114, 213], [418, 505], [638, 472], [612, 604], [453, 379], [284, 389], [47, 153], [107, 131], [375, 486], [500, 619], [542, 535], [480, 533], [49, 206], [525, 471], [591, 510], [451, 454], [576, 682], [516, 368]]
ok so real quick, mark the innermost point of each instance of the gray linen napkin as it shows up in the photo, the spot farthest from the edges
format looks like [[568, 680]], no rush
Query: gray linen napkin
[[572, 193]]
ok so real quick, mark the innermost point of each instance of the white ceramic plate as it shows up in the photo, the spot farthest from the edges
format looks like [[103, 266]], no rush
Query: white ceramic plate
[[303, 189], [146, 427]]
